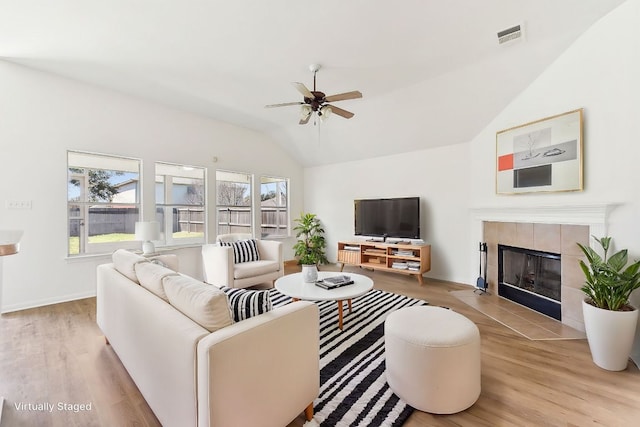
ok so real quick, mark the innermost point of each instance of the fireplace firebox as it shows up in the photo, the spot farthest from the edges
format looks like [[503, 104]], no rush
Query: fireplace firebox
[[531, 278]]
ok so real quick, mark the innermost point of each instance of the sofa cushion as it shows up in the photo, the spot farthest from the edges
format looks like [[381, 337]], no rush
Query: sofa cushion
[[254, 268], [125, 261], [167, 260], [150, 276], [246, 303], [206, 305], [243, 250]]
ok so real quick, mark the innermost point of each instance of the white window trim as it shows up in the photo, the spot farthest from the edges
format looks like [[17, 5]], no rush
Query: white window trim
[[288, 207], [251, 181], [93, 162], [166, 228]]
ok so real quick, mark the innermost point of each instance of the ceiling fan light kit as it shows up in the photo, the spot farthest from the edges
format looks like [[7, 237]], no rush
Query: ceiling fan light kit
[[316, 101]]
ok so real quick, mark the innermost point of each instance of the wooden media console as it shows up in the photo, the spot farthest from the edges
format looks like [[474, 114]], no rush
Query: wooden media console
[[403, 258]]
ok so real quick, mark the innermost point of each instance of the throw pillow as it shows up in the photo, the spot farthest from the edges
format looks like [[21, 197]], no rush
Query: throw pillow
[[246, 303], [243, 250]]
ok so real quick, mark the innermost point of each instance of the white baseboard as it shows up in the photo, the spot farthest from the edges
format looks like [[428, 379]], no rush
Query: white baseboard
[[47, 301]]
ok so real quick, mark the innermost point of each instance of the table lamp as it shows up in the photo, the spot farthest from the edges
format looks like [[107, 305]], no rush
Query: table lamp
[[146, 231]]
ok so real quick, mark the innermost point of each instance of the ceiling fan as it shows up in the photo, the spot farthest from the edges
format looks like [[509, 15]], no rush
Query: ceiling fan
[[316, 101]]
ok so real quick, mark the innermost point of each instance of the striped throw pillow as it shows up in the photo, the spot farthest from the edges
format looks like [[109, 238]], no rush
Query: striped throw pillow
[[243, 250], [246, 303]]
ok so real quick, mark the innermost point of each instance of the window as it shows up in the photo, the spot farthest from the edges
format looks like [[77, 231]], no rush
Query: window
[[274, 207], [233, 202], [103, 202], [180, 203]]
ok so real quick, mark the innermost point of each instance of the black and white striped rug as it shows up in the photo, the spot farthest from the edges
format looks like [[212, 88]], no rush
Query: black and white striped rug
[[353, 386]]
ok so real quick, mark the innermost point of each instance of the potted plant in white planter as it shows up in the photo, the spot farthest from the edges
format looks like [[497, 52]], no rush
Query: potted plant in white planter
[[310, 246], [609, 319]]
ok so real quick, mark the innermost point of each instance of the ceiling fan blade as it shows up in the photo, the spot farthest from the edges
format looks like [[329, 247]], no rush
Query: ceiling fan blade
[[343, 96], [283, 105], [300, 87], [339, 111], [305, 120]]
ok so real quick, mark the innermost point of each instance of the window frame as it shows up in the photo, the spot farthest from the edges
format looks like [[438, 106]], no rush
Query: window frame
[[287, 207], [250, 180], [85, 247], [166, 226]]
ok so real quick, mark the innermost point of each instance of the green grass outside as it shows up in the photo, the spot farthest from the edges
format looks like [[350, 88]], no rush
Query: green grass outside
[[186, 234], [74, 242]]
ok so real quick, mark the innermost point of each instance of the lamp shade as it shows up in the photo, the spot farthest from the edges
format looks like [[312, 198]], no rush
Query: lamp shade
[[305, 111], [325, 112], [146, 231]]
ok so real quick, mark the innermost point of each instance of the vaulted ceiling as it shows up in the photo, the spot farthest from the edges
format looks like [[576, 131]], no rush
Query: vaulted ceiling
[[431, 71]]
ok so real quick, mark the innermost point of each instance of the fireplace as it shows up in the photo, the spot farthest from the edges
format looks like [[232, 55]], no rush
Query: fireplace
[[531, 278]]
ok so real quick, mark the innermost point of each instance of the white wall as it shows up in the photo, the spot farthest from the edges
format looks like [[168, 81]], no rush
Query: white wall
[[42, 116], [599, 73], [439, 176]]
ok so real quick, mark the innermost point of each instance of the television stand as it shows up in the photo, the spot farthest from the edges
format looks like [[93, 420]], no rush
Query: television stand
[[393, 257]]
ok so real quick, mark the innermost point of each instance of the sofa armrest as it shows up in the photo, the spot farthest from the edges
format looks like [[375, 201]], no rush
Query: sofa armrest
[[155, 342], [217, 264], [261, 371], [271, 250]]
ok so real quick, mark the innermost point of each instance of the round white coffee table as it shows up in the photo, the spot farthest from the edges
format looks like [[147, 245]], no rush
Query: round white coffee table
[[293, 286]]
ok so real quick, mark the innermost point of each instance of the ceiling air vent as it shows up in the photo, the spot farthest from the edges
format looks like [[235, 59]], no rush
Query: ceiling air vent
[[510, 34]]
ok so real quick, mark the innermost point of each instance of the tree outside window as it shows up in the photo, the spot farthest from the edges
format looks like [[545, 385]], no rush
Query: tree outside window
[[233, 202], [103, 202]]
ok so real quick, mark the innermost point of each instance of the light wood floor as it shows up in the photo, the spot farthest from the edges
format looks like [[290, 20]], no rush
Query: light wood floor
[[56, 354]]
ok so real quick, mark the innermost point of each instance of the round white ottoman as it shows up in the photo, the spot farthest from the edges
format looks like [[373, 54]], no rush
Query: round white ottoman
[[433, 358]]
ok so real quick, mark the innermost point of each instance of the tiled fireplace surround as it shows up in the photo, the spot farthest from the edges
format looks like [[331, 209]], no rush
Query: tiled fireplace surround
[[549, 229]]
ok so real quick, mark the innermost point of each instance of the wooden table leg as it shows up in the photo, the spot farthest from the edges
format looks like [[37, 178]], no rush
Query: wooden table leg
[[349, 302], [340, 314]]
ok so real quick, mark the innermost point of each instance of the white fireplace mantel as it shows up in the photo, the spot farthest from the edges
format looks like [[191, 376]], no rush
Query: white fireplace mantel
[[592, 215]]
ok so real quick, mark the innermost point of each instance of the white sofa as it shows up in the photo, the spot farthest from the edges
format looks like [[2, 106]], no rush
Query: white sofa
[[219, 268], [263, 371]]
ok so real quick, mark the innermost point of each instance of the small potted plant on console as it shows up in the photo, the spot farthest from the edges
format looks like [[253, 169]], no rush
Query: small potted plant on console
[[310, 246], [609, 319]]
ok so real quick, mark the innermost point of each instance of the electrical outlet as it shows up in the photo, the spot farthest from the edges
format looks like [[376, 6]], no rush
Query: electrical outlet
[[18, 204]]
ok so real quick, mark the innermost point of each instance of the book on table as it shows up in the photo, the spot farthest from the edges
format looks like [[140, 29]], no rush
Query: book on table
[[334, 282]]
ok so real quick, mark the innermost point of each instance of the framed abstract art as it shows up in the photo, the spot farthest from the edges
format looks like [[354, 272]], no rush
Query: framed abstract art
[[544, 155]]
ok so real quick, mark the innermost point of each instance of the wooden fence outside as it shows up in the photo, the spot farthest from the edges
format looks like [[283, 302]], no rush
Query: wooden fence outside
[[230, 220]]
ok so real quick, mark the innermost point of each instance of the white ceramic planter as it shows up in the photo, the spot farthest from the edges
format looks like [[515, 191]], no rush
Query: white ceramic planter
[[610, 335], [309, 273]]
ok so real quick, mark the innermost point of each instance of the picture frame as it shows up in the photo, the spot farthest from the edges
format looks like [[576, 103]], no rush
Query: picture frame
[[545, 155]]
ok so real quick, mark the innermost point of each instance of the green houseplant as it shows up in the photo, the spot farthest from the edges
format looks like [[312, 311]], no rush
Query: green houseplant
[[310, 247], [609, 319]]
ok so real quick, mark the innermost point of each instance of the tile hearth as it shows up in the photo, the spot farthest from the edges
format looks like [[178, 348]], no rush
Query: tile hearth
[[526, 322]]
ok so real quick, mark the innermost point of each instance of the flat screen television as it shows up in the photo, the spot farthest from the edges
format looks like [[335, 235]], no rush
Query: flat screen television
[[397, 217]]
